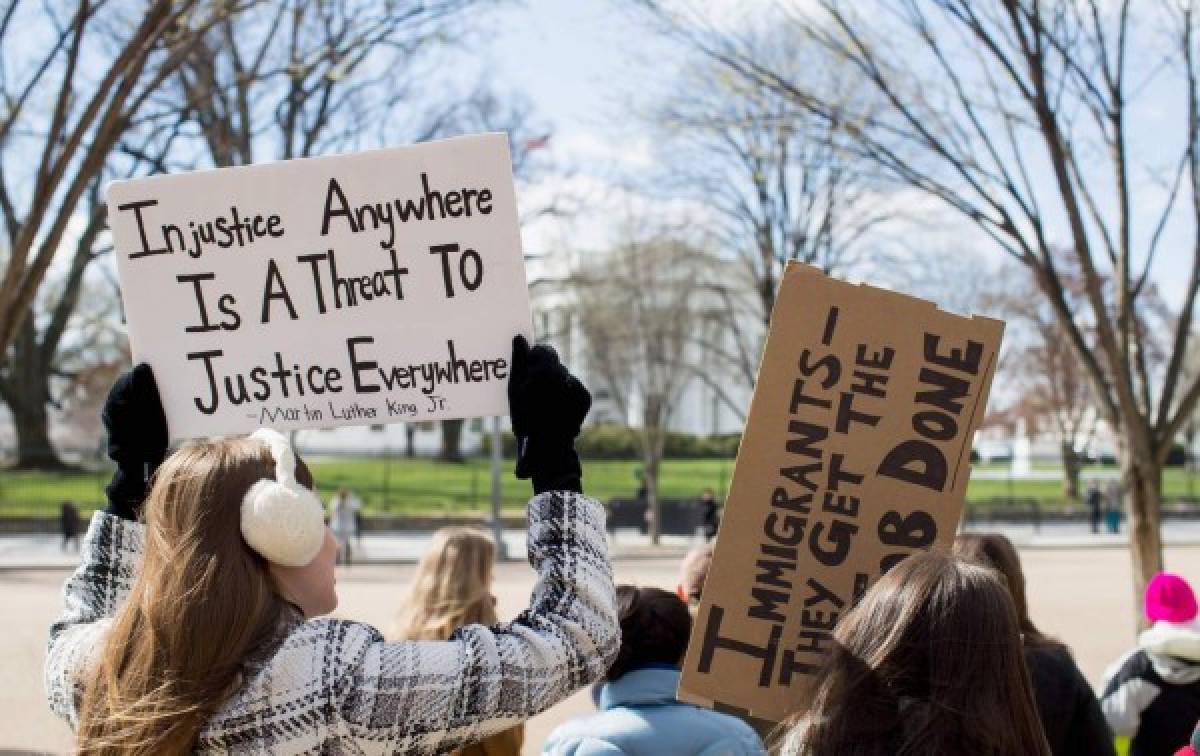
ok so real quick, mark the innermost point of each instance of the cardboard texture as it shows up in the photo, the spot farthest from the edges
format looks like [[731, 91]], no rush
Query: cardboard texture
[[856, 454], [377, 287]]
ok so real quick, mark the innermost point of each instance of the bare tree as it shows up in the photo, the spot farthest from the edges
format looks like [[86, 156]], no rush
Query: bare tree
[[71, 81], [1055, 392], [1043, 379], [305, 77], [636, 311], [779, 180], [56, 345], [25, 379], [1017, 115]]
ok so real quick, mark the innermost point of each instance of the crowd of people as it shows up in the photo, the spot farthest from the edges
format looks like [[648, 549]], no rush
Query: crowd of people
[[196, 623]]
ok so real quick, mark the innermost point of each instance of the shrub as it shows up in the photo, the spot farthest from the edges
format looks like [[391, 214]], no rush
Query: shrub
[[1177, 457]]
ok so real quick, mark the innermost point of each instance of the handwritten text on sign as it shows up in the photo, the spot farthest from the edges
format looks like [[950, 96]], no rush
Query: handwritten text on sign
[[371, 288], [856, 454]]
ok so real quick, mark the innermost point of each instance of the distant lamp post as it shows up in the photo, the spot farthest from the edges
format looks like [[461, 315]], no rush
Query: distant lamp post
[[497, 498]]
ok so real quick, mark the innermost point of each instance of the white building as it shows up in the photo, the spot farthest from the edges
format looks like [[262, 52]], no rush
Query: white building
[[700, 409]]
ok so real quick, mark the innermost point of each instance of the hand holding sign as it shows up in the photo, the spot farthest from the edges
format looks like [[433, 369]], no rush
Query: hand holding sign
[[370, 288], [137, 439], [548, 406], [856, 454]]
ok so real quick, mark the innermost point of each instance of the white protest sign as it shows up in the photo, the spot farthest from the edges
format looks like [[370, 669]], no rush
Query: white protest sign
[[378, 287]]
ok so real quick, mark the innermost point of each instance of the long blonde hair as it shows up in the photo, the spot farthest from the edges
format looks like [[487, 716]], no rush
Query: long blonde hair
[[201, 604], [452, 586]]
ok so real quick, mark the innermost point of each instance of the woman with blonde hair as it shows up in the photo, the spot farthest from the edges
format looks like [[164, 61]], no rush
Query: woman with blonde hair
[[452, 588], [193, 623]]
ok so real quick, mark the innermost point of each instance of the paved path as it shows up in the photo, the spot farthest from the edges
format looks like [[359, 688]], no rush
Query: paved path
[[1079, 594], [23, 552]]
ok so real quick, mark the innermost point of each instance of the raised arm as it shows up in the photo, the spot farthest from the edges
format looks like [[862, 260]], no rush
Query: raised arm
[[434, 696], [429, 697], [1128, 692], [137, 442]]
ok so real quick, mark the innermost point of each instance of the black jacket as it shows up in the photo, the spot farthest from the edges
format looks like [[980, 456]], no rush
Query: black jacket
[[1070, 713]]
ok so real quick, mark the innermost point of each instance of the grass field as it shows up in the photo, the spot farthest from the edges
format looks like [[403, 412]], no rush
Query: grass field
[[400, 486], [426, 487]]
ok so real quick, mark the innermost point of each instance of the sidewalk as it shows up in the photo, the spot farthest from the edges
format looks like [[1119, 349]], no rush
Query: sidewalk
[[1079, 535], [36, 552]]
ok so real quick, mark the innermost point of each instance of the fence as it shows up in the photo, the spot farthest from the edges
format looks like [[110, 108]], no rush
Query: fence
[[392, 486]]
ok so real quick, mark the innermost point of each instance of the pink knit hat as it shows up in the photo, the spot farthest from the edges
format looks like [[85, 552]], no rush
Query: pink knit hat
[[1169, 598]]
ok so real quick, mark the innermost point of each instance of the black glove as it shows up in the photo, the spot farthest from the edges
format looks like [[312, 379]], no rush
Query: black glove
[[547, 405], [137, 439]]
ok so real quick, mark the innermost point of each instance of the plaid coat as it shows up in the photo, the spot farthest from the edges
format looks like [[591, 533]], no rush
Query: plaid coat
[[335, 687]]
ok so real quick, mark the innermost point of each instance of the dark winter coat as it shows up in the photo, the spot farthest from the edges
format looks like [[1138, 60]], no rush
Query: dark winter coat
[[1070, 713]]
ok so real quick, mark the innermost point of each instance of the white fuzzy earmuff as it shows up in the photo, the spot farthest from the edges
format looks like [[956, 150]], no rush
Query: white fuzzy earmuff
[[281, 519]]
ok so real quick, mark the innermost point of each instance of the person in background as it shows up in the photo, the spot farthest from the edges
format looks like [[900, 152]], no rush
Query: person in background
[[343, 511], [1095, 505], [639, 714], [693, 571], [1067, 707], [68, 525], [708, 504], [452, 588], [642, 499], [1152, 694], [929, 663], [1192, 748], [1113, 508]]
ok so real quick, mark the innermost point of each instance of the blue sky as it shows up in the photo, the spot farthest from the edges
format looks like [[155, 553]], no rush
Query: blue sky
[[576, 60]]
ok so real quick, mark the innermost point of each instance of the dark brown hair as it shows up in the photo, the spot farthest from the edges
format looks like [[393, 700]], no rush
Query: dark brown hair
[[930, 662], [655, 626], [202, 603], [996, 551]]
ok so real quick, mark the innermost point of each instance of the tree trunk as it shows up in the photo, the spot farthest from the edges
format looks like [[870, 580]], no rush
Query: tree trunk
[[410, 431], [451, 441], [25, 388], [653, 505], [34, 450], [1072, 465], [1141, 478]]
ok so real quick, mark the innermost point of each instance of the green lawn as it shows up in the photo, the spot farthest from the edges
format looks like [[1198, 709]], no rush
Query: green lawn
[[423, 486], [391, 485]]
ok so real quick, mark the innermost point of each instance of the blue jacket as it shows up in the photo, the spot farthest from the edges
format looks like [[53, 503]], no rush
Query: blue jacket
[[640, 716]]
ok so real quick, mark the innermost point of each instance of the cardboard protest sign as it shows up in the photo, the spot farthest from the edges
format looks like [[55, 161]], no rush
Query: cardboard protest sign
[[378, 287], [856, 454]]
